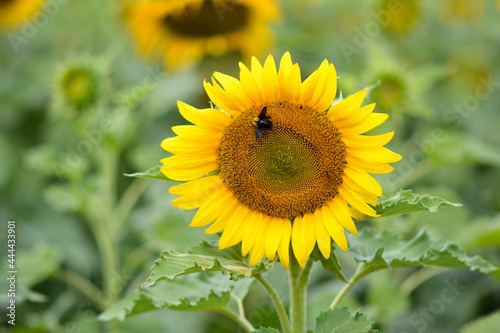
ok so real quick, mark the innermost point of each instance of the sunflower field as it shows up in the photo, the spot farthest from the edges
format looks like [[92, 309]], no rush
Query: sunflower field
[[219, 166]]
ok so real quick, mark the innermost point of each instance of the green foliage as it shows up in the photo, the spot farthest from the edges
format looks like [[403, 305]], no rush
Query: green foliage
[[385, 249], [331, 264], [490, 323], [266, 330], [405, 201], [205, 257], [342, 321], [185, 293]]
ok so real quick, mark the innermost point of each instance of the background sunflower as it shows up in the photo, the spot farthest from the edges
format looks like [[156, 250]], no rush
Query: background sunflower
[[182, 32], [13, 12]]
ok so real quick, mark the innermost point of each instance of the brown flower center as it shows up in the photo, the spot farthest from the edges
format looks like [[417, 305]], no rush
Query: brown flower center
[[6, 2], [210, 19], [291, 169]]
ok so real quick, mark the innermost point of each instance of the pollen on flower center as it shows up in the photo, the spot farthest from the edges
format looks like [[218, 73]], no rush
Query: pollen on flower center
[[291, 169], [209, 19]]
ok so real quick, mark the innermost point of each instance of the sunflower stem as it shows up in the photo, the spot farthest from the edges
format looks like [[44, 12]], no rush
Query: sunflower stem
[[285, 323], [360, 273], [239, 319], [298, 285]]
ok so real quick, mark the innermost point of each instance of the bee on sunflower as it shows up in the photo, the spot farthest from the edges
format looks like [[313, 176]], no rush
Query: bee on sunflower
[[182, 32], [300, 181]]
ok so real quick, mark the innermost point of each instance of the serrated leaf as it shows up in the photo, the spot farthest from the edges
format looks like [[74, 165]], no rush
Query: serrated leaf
[[490, 323], [186, 293], [153, 173], [385, 249], [331, 264], [405, 201], [342, 321], [205, 257], [266, 330]]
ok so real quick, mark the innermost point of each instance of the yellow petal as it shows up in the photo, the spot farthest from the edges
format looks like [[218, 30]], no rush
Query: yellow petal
[[293, 85], [183, 174], [347, 105], [259, 248], [188, 161], [356, 201], [284, 247], [233, 232], [371, 167], [335, 230], [213, 208], [250, 231], [283, 72], [340, 212], [303, 237], [373, 120], [178, 145], [223, 100], [363, 180], [322, 235], [233, 87], [378, 154], [354, 118], [270, 84], [196, 192], [273, 236], [367, 141], [198, 133], [204, 117], [250, 86]]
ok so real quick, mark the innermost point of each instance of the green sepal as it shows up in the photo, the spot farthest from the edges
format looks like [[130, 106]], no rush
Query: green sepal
[[153, 173]]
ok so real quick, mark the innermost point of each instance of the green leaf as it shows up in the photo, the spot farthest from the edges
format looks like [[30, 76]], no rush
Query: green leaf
[[205, 257], [385, 249], [405, 201], [490, 323], [266, 330], [153, 173], [331, 264], [342, 321], [186, 293]]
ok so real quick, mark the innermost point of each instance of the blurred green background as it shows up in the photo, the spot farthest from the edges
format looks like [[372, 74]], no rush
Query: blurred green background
[[434, 66]]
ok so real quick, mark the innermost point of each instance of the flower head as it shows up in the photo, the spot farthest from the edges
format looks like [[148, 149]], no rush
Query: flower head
[[300, 180], [13, 12], [183, 31]]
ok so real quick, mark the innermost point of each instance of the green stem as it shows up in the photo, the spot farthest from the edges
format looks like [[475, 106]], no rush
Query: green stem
[[277, 303], [128, 200], [239, 319], [298, 285], [361, 272], [79, 282]]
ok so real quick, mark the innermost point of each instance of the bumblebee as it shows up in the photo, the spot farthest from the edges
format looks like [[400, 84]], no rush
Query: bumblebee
[[262, 123]]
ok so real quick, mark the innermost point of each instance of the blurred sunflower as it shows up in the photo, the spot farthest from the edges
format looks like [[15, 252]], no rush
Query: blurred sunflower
[[452, 12], [283, 164], [13, 12], [184, 31], [404, 17]]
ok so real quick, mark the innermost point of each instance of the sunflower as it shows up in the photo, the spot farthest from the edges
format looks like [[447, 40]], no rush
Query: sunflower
[[277, 163], [13, 12], [183, 31]]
